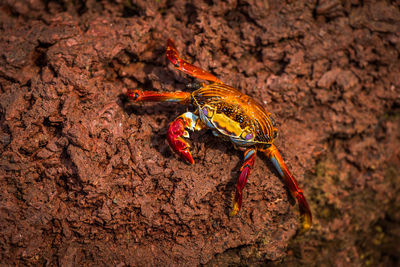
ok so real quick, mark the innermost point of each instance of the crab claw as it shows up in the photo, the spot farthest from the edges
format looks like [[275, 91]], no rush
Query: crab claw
[[179, 145], [294, 189]]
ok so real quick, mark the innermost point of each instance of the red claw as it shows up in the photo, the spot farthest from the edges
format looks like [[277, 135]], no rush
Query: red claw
[[179, 145]]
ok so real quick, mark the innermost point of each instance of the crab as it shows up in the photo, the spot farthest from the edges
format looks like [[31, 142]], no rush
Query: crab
[[229, 114]]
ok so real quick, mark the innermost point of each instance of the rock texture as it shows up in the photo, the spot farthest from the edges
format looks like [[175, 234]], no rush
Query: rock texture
[[88, 178]]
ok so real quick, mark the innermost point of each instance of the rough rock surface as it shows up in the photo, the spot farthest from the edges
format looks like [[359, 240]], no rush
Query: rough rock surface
[[88, 179]]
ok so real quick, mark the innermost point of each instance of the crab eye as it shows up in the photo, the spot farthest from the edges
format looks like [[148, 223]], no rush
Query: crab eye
[[249, 136], [275, 134], [205, 111], [272, 120]]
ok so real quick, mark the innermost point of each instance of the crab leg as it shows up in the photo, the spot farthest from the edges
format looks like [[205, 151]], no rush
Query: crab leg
[[249, 157], [186, 67], [178, 129], [153, 96], [297, 193]]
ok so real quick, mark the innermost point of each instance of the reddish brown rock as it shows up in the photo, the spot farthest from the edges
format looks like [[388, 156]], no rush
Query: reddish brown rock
[[88, 179]]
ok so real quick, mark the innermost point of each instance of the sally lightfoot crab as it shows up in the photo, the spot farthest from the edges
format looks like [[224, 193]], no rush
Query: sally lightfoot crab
[[231, 115]]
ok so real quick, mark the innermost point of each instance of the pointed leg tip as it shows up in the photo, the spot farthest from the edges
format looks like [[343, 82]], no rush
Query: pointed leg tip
[[305, 213], [235, 210], [170, 41], [305, 223], [305, 227]]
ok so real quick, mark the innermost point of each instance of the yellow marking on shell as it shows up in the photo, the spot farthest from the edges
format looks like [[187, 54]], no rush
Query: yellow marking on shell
[[226, 125], [254, 112]]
